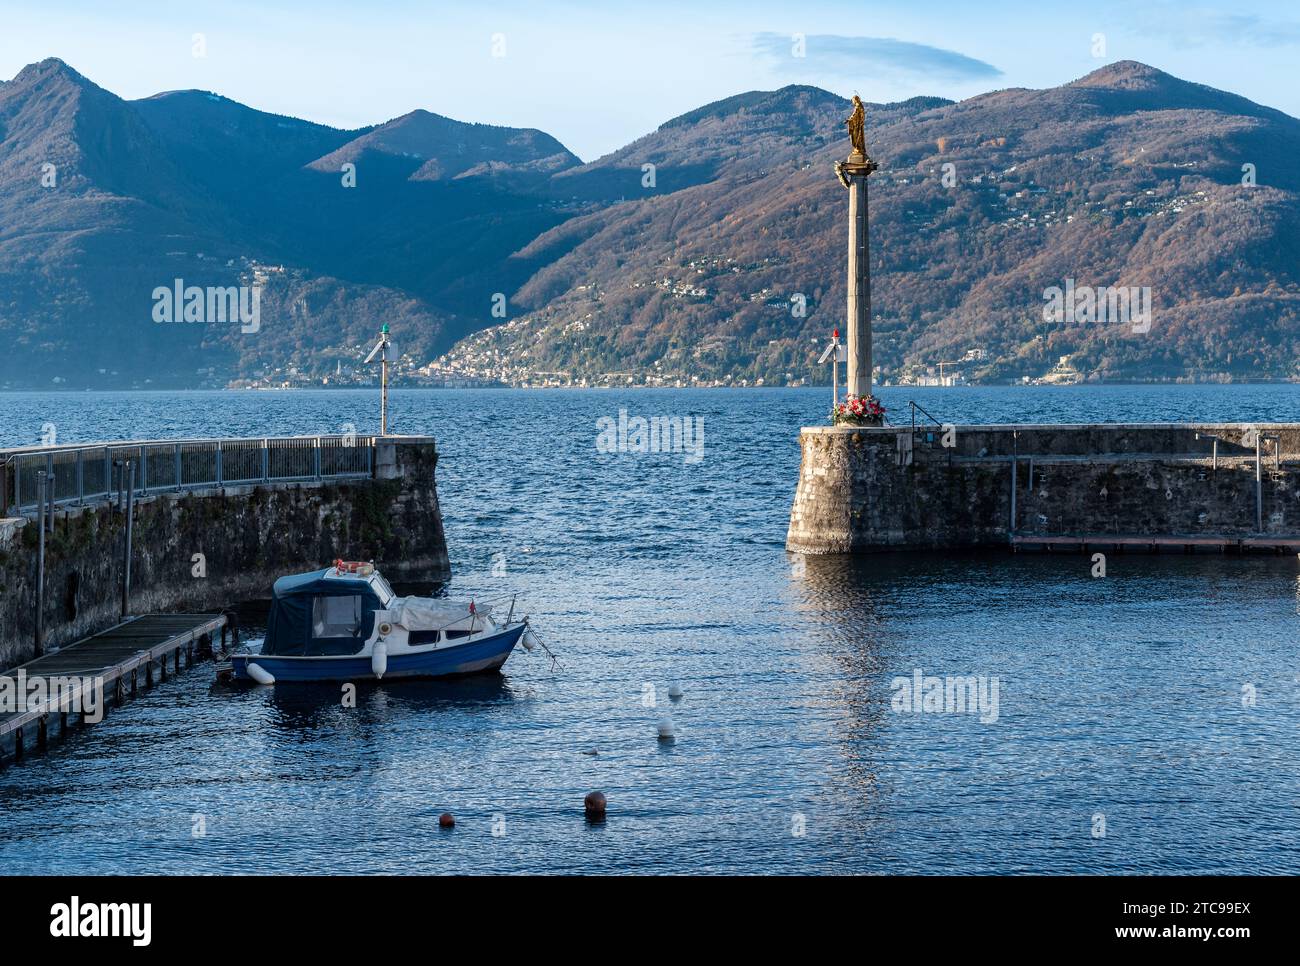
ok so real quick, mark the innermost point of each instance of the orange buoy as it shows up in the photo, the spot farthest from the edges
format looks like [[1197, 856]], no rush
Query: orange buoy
[[446, 820]]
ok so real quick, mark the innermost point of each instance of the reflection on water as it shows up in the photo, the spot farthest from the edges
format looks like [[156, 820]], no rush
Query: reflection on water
[[318, 706], [1121, 697]]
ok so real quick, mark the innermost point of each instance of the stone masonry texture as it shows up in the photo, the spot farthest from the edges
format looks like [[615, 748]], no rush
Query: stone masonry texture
[[249, 536], [864, 489]]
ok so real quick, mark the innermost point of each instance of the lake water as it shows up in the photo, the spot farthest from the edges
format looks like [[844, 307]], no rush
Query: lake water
[[1120, 700]]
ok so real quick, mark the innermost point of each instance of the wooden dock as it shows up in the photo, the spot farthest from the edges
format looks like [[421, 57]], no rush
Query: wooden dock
[[1149, 543], [112, 660]]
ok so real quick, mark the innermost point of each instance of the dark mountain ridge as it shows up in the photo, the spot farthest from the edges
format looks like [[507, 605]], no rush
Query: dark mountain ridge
[[680, 256], [195, 186]]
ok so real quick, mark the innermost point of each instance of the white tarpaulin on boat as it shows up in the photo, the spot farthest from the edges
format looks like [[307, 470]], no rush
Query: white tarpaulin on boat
[[430, 613]]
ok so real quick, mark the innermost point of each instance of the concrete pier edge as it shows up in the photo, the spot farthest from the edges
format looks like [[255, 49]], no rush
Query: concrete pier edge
[[249, 535], [867, 489]]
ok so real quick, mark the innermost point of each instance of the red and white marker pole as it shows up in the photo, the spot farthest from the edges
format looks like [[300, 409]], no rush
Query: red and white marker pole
[[834, 354]]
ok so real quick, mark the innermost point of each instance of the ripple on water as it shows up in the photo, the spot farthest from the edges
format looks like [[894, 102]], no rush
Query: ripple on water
[[1119, 697]]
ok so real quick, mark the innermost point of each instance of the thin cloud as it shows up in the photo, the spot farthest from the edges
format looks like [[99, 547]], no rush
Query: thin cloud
[[856, 56], [1203, 28]]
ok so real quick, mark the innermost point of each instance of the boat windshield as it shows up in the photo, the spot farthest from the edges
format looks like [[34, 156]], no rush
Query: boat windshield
[[381, 587]]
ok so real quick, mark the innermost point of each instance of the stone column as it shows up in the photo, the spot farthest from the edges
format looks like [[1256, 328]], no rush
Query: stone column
[[853, 175]]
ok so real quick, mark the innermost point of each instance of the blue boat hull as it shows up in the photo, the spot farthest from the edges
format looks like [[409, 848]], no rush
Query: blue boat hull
[[487, 654]]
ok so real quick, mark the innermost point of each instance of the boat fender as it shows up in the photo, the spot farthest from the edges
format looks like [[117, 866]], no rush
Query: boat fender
[[529, 640], [379, 659], [259, 674]]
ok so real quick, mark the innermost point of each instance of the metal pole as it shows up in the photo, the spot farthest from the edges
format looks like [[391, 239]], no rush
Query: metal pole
[[835, 377], [383, 399], [1015, 464], [49, 490], [1259, 489], [39, 642], [129, 469]]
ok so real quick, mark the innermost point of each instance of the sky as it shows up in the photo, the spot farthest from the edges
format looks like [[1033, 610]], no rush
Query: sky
[[597, 75]]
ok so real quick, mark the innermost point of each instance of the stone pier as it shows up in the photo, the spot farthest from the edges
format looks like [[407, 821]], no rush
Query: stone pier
[[1218, 486], [248, 534]]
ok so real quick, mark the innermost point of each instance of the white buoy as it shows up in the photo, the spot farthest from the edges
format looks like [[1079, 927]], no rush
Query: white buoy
[[379, 659], [529, 640], [666, 732], [259, 674], [675, 692]]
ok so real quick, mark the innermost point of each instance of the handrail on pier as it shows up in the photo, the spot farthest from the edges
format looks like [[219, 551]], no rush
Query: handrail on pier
[[917, 406], [84, 474]]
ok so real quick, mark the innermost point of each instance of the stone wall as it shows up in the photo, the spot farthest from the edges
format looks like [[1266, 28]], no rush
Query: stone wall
[[249, 536], [868, 489]]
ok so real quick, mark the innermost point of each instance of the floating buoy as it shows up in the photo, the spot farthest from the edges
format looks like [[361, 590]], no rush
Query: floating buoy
[[446, 820], [675, 692], [379, 659], [594, 804], [666, 732], [529, 639], [259, 674], [593, 751]]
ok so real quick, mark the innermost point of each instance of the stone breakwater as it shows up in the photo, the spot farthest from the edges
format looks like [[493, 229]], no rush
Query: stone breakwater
[[864, 489], [248, 536]]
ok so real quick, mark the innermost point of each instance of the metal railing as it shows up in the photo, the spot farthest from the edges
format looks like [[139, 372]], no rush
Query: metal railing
[[917, 407], [87, 474]]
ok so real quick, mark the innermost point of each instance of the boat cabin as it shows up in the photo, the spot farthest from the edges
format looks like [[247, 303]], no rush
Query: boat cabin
[[326, 612]]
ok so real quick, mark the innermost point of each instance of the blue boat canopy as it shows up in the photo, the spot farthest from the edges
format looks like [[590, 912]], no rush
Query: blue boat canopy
[[313, 615]]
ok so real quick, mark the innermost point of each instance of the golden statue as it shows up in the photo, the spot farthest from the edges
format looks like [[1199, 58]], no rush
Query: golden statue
[[857, 128]]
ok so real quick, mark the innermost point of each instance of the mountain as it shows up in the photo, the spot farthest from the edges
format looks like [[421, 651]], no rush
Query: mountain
[[104, 201], [710, 249], [1126, 177], [436, 148]]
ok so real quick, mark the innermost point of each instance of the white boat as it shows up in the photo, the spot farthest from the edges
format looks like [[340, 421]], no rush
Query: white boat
[[345, 623]]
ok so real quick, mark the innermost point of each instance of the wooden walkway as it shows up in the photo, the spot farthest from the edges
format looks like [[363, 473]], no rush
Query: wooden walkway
[[1145, 543], [111, 660]]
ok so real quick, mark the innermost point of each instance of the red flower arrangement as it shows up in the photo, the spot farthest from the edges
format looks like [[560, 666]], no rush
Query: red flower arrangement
[[858, 411]]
